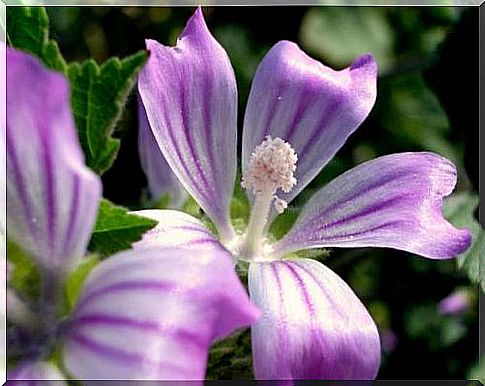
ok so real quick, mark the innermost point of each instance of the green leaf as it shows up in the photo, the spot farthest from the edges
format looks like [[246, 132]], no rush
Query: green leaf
[[28, 30], [116, 229], [25, 276], [230, 358], [459, 209], [99, 94], [76, 279], [407, 106], [339, 34]]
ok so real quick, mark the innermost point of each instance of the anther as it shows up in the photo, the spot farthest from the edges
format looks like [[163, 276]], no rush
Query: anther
[[271, 167]]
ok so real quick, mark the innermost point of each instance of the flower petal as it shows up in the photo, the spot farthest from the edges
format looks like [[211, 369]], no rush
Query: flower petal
[[313, 326], [176, 229], [309, 105], [152, 313], [31, 373], [190, 97], [161, 180], [52, 196], [392, 201]]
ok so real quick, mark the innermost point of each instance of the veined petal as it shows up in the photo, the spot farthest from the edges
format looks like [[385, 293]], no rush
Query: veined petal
[[190, 97], [309, 105], [176, 229], [152, 313], [52, 196], [32, 373], [161, 180], [312, 326], [393, 201]]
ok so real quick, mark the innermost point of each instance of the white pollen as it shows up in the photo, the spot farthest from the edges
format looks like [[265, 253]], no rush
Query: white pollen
[[279, 204], [271, 167]]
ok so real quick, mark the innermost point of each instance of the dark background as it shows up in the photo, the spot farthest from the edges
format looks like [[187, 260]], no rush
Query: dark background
[[427, 100]]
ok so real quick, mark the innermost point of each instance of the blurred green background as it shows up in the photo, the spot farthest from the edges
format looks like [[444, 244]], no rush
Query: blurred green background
[[427, 100]]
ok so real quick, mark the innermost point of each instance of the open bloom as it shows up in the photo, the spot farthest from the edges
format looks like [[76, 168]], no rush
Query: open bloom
[[457, 303], [143, 313], [299, 114]]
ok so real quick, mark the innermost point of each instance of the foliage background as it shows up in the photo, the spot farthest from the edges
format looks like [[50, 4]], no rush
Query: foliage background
[[427, 100]]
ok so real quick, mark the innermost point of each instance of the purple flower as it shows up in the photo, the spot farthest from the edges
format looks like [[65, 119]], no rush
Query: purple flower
[[457, 303], [142, 314], [298, 115], [389, 340]]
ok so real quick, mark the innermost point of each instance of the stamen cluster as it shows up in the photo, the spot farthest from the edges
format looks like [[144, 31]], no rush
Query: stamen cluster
[[271, 167]]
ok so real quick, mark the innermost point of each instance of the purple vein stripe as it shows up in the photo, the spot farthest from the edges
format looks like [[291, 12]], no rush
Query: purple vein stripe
[[336, 307], [388, 224], [305, 104], [51, 186], [380, 206], [115, 354], [145, 285], [191, 228], [188, 136], [328, 115], [376, 185], [20, 183], [176, 146], [283, 334], [148, 326], [73, 213], [302, 287], [208, 91]]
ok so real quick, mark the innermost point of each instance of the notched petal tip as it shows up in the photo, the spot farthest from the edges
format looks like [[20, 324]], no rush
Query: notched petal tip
[[196, 23], [394, 201], [312, 106], [190, 97], [365, 62]]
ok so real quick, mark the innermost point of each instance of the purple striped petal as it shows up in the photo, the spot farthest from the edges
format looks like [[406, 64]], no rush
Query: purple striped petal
[[313, 326], [161, 180], [152, 313], [176, 229], [52, 196], [190, 97], [392, 201], [35, 374], [309, 105]]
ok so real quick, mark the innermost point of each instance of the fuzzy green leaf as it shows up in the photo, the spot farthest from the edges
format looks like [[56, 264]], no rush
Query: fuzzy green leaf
[[459, 210], [116, 229], [24, 276], [340, 34], [99, 94], [28, 30]]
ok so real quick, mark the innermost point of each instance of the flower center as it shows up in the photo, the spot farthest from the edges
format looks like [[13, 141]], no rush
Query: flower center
[[271, 167]]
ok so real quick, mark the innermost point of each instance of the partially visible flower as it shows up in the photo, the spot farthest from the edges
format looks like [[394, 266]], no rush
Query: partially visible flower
[[162, 183], [457, 303], [142, 314], [299, 114], [389, 340]]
